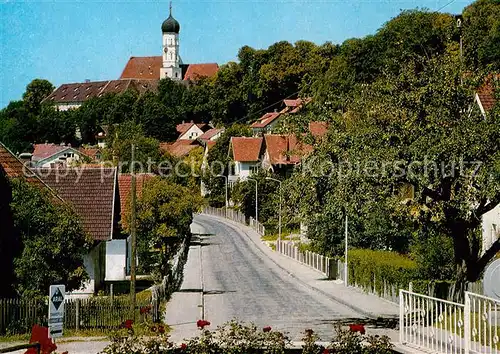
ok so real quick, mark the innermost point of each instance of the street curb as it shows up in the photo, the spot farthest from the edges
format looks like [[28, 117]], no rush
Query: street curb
[[334, 298]]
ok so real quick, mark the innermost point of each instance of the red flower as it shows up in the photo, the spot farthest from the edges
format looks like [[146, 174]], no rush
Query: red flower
[[128, 324], [267, 329], [357, 328], [326, 351], [153, 328], [161, 329], [202, 323], [184, 346]]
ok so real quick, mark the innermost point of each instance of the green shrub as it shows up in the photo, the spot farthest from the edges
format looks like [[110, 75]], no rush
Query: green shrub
[[370, 269]]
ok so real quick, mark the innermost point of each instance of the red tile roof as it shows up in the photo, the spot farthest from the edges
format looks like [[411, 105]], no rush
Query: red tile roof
[[209, 134], [210, 144], [293, 106], [149, 68], [184, 127], [246, 149], [179, 148], [92, 193], [124, 189], [12, 167], [90, 152], [198, 71], [42, 151], [285, 149], [81, 92], [486, 93], [265, 120], [143, 68], [318, 129]]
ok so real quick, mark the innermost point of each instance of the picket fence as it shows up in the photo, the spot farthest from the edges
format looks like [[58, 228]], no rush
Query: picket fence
[[17, 316]]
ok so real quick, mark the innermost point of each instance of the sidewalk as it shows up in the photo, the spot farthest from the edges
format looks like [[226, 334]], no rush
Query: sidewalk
[[186, 305], [368, 305]]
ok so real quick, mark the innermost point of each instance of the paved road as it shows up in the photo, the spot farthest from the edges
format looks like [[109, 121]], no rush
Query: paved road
[[239, 281]]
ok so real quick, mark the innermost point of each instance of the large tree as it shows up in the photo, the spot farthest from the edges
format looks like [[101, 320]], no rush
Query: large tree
[[419, 129]]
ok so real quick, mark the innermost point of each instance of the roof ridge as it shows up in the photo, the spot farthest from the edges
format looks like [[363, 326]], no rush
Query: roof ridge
[[34, 175]]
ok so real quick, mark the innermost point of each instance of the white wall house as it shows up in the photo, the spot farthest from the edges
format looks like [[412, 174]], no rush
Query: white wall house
[[245, 153], [52, 155], [491, 227], [192, 132]]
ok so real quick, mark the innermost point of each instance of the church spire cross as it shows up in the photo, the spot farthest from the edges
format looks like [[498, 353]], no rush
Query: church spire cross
[[170, 8]]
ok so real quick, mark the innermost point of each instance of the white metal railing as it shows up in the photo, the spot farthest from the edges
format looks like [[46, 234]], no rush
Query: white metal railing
[[430, 323], [482, 321], [441, 326], [257, 226], [316, 261], [235, 215]]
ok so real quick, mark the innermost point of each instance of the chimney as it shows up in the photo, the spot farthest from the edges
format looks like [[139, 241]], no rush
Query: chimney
[[275, 110]]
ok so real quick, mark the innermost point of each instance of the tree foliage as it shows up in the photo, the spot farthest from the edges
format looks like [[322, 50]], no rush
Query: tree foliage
[[164, 215], [52, 241]]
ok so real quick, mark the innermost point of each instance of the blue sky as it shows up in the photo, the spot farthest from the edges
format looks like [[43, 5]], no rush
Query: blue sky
[[70, 41]]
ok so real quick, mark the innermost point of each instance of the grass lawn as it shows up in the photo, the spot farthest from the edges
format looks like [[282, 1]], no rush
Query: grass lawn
[[477, 323]]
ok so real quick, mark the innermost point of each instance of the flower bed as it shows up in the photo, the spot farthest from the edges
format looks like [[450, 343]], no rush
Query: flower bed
[[234, 337]]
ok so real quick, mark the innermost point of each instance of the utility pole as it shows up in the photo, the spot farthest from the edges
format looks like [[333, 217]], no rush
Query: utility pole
[[133, 241]]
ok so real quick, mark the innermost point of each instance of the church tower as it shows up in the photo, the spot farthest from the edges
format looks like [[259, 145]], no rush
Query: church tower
[[171, 67]]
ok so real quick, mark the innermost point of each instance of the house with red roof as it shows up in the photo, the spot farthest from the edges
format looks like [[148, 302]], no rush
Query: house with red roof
[[54, 155], [269, 121], [282, 152], [191, 130], [211, 135], [245, 153], [486, 101], [266, 123], [180, 148]]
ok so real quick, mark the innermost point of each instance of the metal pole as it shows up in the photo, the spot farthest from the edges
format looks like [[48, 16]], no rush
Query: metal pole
[[256, 201], [132, 236], [281, 201], [227, 202], [346, 281]]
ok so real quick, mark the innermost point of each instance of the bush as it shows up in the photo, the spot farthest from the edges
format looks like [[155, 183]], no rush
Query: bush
[[370, 269], [234, 338]]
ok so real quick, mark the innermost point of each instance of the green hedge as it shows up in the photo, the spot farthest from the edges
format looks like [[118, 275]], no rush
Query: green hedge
[[370, 269]]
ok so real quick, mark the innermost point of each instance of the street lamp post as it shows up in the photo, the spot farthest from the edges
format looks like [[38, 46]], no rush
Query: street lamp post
[[225, 177], [346, 282], [256, 201], [281, 200]]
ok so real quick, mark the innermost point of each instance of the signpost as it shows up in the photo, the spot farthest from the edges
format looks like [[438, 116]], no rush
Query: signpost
[[57, 293]]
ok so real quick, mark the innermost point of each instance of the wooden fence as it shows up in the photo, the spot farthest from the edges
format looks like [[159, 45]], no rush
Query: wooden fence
[[17, 316]]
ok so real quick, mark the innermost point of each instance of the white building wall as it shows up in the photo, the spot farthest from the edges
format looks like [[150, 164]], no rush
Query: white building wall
[[94, 266], [491, 227], [68, 106], [116, 260], [243, 169], [192, 133]]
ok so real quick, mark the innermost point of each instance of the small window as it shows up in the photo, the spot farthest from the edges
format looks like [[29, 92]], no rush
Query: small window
[[176, 74]]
